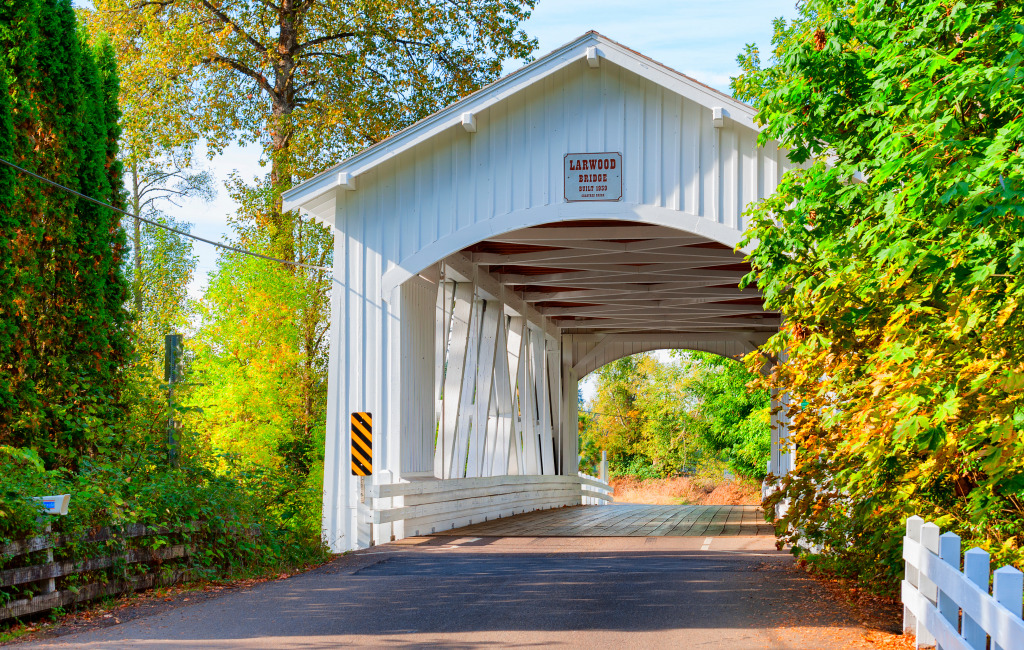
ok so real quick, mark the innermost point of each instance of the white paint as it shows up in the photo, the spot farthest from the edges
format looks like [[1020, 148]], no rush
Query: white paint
[[717, 117], [438, 341], [935, 591]]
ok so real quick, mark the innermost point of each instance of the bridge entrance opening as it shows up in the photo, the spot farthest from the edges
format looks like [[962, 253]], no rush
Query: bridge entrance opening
[[476, 281]]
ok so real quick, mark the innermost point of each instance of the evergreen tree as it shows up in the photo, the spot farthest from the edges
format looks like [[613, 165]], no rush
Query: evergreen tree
[[65, 320], [8, 328]]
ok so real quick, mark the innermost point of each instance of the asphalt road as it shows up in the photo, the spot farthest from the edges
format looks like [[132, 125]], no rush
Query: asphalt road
[[664, 592]]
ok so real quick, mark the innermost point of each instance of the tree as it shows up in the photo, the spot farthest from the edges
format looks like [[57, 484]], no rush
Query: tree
[[162, 263], [730, 418], [66, 326], [615, 425], [309, 81], [664, 419], [895, 255]]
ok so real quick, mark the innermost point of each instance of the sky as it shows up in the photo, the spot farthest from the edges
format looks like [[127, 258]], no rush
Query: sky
[[698, 38]]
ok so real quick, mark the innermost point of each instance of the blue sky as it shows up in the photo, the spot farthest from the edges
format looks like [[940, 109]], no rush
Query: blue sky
[[698, 38]]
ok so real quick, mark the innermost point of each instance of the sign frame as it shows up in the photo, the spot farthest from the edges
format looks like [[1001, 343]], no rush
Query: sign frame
[[611, 176]]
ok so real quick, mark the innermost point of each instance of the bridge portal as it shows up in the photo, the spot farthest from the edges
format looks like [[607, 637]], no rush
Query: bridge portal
[[582, 209]]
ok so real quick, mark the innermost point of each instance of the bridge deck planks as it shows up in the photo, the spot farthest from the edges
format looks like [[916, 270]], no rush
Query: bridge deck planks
[[625, 520]]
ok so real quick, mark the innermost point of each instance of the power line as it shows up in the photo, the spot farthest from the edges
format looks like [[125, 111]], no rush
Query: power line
[[160, 225], [611, 415]]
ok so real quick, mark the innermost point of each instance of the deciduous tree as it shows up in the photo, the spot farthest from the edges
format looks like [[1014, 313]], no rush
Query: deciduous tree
[[896, 256]]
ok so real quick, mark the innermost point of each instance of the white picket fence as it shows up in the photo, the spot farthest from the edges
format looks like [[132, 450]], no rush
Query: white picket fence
[[952, 608]]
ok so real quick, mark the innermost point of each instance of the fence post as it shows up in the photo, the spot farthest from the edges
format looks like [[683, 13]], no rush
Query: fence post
[[1008, 590], [976, 566], [929, 540], [913, 532], [604, 466], [949, 552]]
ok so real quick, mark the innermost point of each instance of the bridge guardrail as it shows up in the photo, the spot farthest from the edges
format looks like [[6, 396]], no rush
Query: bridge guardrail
[[595, 491], [935, 592], [429, 506]]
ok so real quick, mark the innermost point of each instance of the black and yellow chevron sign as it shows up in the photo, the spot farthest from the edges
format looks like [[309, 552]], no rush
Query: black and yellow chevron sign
[[362, 444]]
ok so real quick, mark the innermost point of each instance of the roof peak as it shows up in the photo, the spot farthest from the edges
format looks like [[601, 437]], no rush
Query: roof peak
[[508, 85]]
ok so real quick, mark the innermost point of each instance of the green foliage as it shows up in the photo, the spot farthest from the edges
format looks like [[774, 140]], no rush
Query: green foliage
[[730, 417], [663, 419], [65, 326], [218, 510], [251, 408], [896, 256]]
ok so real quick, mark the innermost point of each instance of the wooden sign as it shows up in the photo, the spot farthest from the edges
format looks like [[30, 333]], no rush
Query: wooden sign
[[362, 444], [593, 177]]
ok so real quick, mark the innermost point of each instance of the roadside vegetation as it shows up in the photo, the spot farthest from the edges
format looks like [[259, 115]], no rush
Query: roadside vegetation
[[113, 99], [896, 257], [681, 424]]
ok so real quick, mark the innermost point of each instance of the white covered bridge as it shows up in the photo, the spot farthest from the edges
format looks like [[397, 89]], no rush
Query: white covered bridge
[[582, 209]]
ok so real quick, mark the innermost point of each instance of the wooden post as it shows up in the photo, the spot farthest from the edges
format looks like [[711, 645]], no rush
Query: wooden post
[[51, 584], [172, 374], [913, 532], [1008, 590], [949, 552], [976, 567], [929, 540]]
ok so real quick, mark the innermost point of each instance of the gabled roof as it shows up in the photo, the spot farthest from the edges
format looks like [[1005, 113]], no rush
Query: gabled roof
[[590, 44]]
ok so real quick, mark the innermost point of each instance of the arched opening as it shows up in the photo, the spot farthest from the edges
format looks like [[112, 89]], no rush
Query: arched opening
[[520, 316], [676, 427]]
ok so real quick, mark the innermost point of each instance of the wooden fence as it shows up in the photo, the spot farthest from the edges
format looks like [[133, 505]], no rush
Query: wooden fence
[[121, 562], [952, 608]]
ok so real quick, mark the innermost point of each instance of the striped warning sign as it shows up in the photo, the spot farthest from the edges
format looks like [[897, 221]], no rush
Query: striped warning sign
[[362, 444]]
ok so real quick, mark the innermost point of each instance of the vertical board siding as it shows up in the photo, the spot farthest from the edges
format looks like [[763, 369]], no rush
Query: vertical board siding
[[384, 348], [418, 324], [673, 157]]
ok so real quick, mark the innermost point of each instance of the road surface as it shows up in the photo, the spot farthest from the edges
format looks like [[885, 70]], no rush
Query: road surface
[[734, 591]]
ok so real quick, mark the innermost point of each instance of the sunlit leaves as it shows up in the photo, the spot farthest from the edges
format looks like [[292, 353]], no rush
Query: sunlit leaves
[[894, 256]]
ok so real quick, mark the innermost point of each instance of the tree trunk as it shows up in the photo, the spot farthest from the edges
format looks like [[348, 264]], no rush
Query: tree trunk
[[283, 105], [136, 239]]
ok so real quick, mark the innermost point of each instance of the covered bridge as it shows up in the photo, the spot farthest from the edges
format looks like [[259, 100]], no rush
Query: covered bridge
[[584, 208]]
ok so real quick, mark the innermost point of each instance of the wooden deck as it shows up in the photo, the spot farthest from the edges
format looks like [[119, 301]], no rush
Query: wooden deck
[[625, 520]]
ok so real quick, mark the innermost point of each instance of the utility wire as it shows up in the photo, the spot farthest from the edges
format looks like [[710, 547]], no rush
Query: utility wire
[[160, 225], [611, 415]]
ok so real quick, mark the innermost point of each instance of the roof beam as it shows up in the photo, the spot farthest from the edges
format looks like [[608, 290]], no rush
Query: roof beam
[[654, 308], [588, 279], [570, 256], [644, 292], [670, 323]]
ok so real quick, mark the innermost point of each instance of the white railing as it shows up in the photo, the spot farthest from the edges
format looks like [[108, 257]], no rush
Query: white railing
[[434, 505], [936, 592], [595, 491]]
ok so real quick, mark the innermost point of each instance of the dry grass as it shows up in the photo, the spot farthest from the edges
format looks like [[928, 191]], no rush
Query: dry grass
[[697, 490]]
